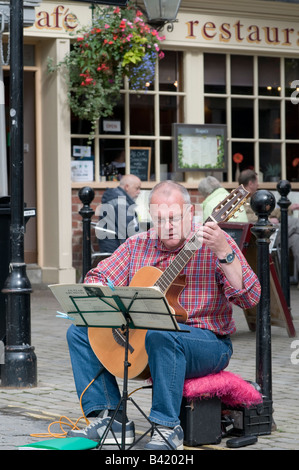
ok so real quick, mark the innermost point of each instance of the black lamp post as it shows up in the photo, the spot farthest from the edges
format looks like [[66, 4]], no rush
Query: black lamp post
[[19, 369]]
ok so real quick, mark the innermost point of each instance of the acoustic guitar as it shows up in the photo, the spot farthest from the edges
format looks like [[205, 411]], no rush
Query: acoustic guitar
[[108, 343]]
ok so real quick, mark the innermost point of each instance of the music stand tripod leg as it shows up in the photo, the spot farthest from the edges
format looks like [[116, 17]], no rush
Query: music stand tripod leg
[[124, 399]]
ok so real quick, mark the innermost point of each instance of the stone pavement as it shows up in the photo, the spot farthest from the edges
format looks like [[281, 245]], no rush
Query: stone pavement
[[31, 410]]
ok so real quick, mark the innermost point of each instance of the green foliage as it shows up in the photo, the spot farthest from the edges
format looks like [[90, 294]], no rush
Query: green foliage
[[118, 43]]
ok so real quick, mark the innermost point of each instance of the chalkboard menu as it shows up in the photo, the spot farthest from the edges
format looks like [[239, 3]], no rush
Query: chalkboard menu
[[140, 162]]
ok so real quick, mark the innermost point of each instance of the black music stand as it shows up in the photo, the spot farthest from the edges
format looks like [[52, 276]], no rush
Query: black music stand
[[124, 308]]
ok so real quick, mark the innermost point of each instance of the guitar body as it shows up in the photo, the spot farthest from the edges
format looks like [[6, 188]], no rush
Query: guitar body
[[105, 342]]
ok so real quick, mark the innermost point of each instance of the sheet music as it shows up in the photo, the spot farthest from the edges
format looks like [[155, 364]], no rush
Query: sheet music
[[106, 306]]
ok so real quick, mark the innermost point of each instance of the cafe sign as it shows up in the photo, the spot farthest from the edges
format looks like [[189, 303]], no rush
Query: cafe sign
[[57, 20]]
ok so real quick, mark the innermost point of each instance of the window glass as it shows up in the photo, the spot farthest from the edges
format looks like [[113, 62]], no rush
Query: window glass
[[170, 72], [269, 82], [292, 162], [142, 114], [112, 160], [270, 161], [292, 120], [291, 74], [247, 150], [242, 117], [215, 110], [241, 75], [269, 119], [214, 73], [169, 113]]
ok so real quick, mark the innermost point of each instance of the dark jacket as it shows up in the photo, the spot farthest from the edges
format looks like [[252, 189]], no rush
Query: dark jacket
[[117, 213]]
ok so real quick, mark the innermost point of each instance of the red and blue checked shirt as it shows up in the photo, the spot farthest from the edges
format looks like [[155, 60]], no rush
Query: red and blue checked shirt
[[207, 296]]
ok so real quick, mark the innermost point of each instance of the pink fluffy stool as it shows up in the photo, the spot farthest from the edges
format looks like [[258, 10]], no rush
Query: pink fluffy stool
[[202, 403]]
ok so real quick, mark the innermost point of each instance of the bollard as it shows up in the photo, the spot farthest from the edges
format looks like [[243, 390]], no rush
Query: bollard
[[86, 196], [284, 187], [263, 203]]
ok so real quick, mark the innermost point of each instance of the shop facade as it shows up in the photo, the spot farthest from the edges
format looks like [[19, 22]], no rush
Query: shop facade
[[229, 64]]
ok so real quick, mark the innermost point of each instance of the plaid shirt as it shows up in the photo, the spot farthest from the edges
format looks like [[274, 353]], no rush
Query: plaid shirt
[[207, 296]]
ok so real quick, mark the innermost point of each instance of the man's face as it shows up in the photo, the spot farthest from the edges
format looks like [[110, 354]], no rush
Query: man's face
[[133, 189], [254, 186], [172, 218]]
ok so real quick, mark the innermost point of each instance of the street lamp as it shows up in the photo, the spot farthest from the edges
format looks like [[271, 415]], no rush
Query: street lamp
[[161, 12], [19, 369]]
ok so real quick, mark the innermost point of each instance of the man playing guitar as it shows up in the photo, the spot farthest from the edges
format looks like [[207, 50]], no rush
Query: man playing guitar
[[215, 275]]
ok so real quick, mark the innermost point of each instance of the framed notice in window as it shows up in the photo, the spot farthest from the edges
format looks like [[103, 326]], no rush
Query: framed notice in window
[[199, 147]]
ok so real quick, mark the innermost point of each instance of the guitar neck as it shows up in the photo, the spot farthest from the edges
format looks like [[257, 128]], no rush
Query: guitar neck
[[180, 261]]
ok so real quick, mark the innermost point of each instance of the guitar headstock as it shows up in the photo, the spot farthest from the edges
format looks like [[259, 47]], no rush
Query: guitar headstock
[[230, 205]]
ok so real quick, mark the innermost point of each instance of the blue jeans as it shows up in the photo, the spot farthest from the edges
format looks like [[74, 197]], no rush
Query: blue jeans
[[173, 357]]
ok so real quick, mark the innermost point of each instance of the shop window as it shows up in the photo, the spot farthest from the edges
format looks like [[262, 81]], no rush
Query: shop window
[[140, 119], [170, 72], [247, 150], [214, 73], [292, 156], [215, 110], [269, 119], [292, 121], [270, 161], [263, 120], [269, 82], [291, 70], [241, 75], [170, 109], [242, 118]]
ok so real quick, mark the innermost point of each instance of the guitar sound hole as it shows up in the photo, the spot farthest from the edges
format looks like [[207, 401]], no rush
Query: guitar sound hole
[[120, 339]]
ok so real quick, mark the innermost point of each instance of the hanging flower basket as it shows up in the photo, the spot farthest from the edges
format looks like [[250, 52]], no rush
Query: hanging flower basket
[[119, 43]]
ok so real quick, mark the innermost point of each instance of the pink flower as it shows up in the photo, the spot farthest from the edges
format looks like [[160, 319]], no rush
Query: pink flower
[[107, 26], [88, 80]]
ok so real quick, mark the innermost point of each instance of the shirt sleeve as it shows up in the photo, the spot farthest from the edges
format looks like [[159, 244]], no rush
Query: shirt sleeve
[[113, 270], [249, 296]]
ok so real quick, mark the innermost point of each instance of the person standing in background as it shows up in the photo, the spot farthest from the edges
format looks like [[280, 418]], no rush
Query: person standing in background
[[212, 193], [117, 213]]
